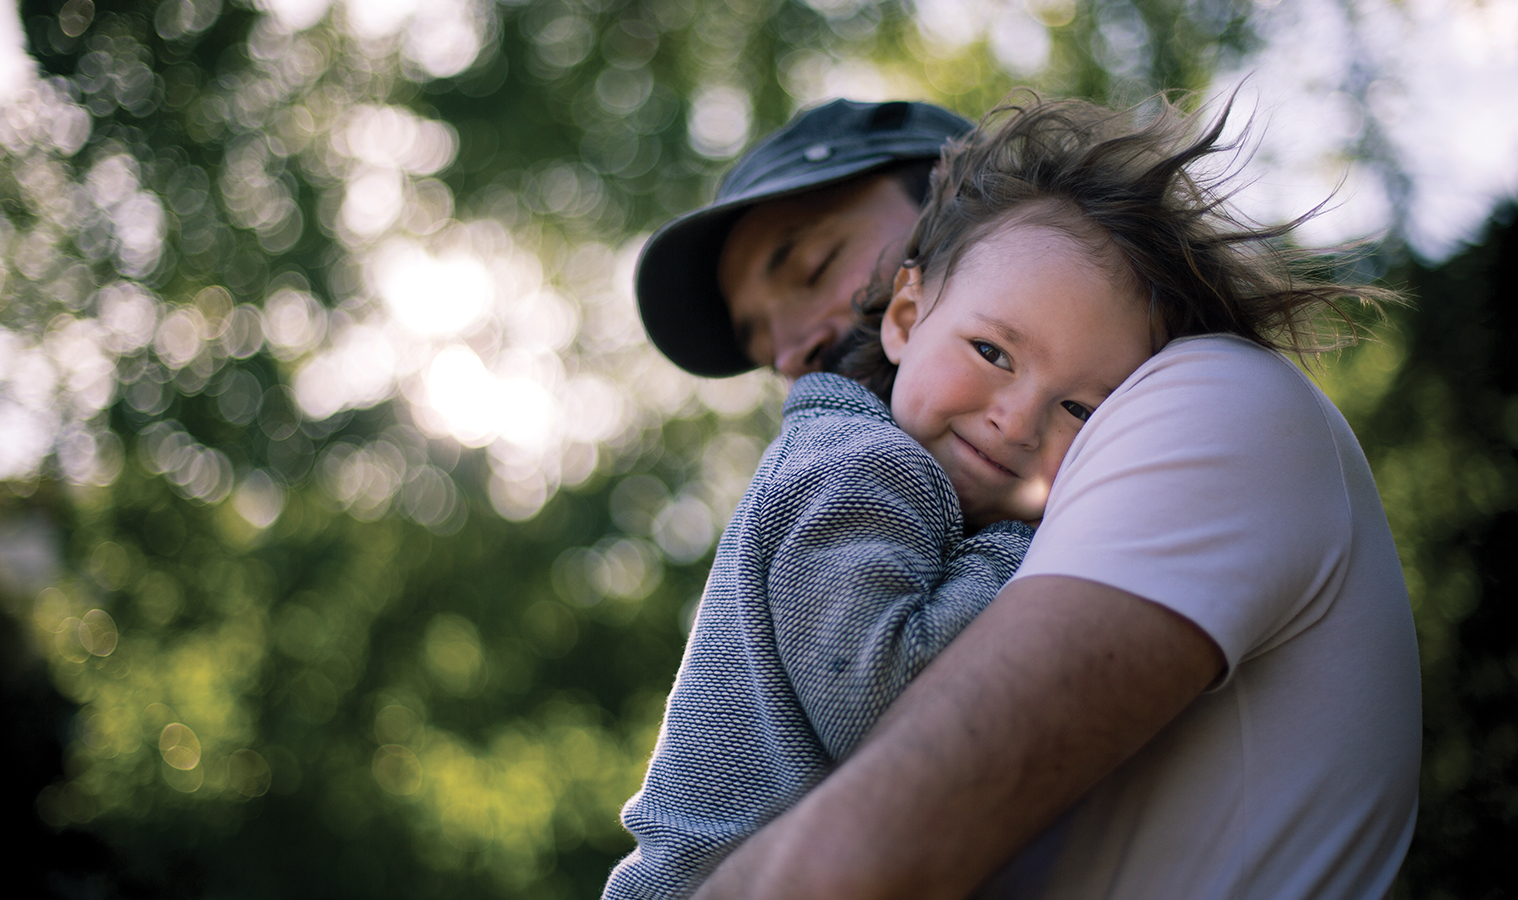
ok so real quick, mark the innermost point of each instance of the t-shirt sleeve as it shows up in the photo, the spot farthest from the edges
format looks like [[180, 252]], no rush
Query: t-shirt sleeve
[[1209, 483], [867, 585]]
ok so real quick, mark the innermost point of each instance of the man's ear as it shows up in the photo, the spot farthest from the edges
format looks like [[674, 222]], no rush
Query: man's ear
[[902, 314]]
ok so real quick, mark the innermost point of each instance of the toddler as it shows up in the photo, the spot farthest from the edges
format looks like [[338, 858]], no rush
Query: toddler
[[1059, 249]]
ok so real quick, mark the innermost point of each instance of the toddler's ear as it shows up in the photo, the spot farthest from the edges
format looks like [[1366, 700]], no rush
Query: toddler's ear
[[902, 314]]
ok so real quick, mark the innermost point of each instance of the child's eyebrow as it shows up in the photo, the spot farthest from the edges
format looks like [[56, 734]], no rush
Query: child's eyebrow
[[1002, 329]]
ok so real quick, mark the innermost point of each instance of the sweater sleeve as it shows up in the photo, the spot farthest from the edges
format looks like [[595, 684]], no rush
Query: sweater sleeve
[[872, 578]]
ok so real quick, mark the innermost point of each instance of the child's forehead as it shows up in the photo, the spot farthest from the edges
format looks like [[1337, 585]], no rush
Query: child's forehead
[[1008, 245], [1047, 231]]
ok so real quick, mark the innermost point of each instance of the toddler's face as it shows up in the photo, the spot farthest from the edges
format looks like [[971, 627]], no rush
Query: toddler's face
[[998, 371]]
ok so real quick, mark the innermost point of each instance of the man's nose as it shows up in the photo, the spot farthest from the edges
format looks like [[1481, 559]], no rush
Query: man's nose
[[800, 352]]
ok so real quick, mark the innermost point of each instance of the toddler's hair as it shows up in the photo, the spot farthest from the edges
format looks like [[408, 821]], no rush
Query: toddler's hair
[[1130, 196]]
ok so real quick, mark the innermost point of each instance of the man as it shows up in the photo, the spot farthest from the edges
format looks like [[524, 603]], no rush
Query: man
[[765, 276], [1067, 729]]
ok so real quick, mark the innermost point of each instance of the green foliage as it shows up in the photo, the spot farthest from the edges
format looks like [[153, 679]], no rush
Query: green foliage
[[1434, 405], [466, 710]]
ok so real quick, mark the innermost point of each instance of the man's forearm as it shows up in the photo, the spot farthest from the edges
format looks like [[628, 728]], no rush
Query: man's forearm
[[1054, 685]]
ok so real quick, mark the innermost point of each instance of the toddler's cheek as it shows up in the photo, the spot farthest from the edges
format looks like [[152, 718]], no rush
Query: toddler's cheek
[[1032, 497], [911, 418]]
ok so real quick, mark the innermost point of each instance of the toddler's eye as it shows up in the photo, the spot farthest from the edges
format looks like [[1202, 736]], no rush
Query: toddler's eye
[[992, 354], [1080, 411]]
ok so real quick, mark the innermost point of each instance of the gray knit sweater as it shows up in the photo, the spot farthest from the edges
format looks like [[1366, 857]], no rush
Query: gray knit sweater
[[843, 571]]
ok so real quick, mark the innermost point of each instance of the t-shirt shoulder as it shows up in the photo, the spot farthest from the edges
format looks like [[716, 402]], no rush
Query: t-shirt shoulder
[[1210, 483]]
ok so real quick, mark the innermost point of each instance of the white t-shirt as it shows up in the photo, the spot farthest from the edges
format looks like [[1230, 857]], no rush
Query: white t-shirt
[[1219, 482]]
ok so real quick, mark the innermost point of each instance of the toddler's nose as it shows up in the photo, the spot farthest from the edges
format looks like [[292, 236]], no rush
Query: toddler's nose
[[1017, 421]]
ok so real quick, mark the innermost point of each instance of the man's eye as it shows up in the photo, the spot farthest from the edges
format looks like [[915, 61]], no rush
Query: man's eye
[[992, 354], [1080, 411], [822, 267]]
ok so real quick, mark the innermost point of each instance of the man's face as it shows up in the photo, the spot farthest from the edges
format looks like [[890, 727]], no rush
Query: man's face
[[791, 267]]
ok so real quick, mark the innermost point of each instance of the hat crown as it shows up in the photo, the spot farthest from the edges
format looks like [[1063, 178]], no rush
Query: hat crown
[[840, 132]]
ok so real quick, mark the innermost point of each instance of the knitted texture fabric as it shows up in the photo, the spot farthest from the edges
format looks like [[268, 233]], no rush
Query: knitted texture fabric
[[844, 570]]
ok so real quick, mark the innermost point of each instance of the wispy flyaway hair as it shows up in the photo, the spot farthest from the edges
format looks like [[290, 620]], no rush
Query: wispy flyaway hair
[[1141, 201]]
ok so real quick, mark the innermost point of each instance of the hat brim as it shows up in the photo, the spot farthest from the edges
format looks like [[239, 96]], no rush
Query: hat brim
[[679, 299]]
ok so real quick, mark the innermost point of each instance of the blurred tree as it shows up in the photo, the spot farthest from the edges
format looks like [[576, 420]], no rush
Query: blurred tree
[[347, 512], [309, 654], [1436, 405]]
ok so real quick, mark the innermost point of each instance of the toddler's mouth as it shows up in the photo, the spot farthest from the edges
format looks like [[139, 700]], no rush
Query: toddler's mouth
[[988, 459]]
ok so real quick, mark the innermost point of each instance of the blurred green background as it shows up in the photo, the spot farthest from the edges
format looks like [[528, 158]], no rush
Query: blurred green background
[[350, 529]]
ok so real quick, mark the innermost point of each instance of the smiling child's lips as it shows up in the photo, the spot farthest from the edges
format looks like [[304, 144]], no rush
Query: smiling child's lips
[[986, 458]]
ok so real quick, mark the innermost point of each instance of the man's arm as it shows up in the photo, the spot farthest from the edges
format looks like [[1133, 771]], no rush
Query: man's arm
[[1053, 686]]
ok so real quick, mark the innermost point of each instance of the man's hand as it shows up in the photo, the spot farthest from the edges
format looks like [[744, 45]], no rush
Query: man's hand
[[1046, 692]]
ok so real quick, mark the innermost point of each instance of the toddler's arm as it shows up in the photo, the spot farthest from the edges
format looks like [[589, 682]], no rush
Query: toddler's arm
[[872, 580]]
